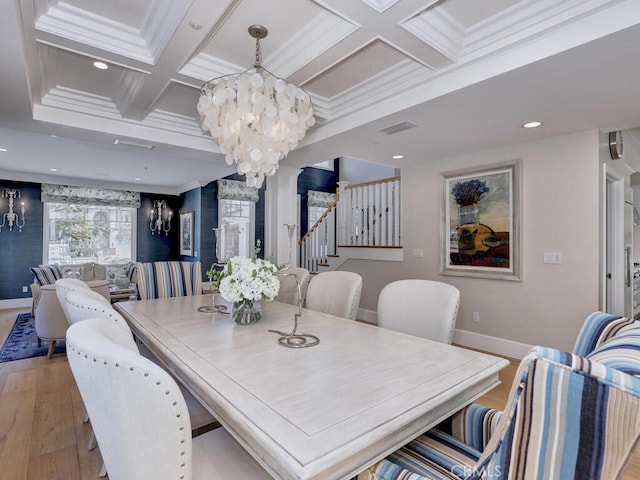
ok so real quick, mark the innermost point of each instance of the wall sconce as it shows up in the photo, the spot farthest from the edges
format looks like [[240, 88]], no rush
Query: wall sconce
[[159, 222], [11, 218]]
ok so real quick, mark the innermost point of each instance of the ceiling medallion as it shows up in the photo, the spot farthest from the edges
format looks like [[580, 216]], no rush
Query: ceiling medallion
[[255, 117]]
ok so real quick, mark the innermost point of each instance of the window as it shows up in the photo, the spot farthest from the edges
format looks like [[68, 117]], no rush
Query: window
[[313, 215], [237, 219], [76, 233]]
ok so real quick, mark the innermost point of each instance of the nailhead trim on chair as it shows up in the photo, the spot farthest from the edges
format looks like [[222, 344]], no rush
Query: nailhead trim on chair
[[73, 348]]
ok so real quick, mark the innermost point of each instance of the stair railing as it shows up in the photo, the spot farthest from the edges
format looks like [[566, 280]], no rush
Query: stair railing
[[365, 214]]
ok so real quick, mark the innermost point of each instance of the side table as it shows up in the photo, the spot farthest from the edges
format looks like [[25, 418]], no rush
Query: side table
[[121, 294]]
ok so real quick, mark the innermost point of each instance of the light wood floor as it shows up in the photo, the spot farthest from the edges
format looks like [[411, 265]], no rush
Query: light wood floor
[[41, 431]]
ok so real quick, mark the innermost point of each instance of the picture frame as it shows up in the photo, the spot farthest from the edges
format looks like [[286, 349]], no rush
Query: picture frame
[[186, 234], [480, 227]]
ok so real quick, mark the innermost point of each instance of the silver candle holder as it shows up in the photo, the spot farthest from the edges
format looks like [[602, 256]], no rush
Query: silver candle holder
[[293, 339]]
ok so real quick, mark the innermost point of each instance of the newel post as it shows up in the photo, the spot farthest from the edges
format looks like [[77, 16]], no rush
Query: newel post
[[343, 213]]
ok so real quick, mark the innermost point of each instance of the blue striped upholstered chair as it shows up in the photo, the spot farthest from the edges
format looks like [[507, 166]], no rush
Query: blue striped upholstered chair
[[168, 279], [568, 417]]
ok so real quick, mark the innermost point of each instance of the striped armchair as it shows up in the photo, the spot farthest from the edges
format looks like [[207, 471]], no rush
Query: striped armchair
[[168, 279], [568, 416]]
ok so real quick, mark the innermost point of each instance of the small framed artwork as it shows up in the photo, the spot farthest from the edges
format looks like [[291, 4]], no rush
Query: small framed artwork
[[186, 234], [480, 222]]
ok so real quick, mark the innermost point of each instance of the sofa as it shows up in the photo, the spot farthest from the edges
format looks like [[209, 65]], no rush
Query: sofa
[[569, 415], [50, 321]]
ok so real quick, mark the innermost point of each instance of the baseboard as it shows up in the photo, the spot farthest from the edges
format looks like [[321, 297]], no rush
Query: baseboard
[[497, 345], [16, 303]]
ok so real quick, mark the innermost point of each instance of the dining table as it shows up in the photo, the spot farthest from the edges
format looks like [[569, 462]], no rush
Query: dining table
[[323, 412]]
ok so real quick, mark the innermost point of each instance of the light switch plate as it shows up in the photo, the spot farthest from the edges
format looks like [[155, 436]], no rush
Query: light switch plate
[[553, 257], [418, 253]]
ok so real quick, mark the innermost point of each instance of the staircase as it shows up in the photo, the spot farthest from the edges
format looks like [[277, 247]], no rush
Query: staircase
[[364, 219]]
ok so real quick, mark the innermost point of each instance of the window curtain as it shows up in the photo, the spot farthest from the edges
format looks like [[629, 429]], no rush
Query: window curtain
[[235, 190], [320, 199], [89, 196]]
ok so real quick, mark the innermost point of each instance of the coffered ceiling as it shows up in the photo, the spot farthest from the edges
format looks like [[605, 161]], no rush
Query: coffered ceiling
[[466, 73]]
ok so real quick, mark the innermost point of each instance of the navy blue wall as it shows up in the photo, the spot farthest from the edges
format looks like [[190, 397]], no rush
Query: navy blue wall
[[20, 250], [208, 221], [159, 246], [316, 179], [191, 202]]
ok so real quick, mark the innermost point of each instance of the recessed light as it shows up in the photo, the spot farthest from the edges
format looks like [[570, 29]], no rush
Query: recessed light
[[532, 124], [53, 169], [100, 65], [53, 136], [3, 149], [195, 25], [397, 157], [138, 179]]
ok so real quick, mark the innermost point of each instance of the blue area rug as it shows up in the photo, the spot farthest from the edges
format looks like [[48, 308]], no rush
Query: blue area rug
[[22, 342]]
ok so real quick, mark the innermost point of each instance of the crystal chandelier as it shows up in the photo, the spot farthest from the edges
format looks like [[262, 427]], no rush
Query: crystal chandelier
[[255, 117]]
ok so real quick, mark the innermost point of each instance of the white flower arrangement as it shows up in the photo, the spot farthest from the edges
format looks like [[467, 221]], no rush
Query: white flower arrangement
[[247, 279]]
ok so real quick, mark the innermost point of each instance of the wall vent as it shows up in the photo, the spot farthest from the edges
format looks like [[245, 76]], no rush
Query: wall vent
[[128, 143], [398, 127]]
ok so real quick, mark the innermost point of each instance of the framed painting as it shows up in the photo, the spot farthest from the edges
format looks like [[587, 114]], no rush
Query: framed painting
[[480, 222], [186, 234]]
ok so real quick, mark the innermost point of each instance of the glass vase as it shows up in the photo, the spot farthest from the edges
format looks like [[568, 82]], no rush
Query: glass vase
[[468, 214], [246, 312]]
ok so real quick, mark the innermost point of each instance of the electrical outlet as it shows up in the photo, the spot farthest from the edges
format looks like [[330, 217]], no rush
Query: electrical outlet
[[24, 289], [475, 317]]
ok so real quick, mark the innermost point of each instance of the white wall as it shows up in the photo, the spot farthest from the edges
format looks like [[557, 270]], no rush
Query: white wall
[[360, 171], [560, 213]]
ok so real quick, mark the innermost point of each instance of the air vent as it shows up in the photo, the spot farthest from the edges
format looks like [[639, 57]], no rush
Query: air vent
[[398, 127], [128, 143]]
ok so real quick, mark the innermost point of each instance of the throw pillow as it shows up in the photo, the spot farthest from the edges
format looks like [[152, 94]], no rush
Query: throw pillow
[[74, 272], [46, 274], [620, 352], [114, 271], [131, 271]]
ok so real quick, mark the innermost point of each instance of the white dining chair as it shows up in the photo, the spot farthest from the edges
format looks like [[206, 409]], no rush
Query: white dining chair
[[64, 286], [139, 415], [288, 277], [85, 304], [424, 308], [336, 293]]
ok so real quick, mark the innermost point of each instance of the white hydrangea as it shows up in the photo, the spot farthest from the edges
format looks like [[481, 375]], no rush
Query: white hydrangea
[[249, 279]]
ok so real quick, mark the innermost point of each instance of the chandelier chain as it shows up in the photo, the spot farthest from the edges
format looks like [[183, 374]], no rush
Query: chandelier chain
[[258, 63]]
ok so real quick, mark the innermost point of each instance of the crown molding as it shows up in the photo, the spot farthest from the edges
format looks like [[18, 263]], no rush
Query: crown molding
[[73, 23], [380, 5], [313, 39], [82, 102], [388, 83], [131, 83], [441, 31], [206, 67], [173, 122]]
